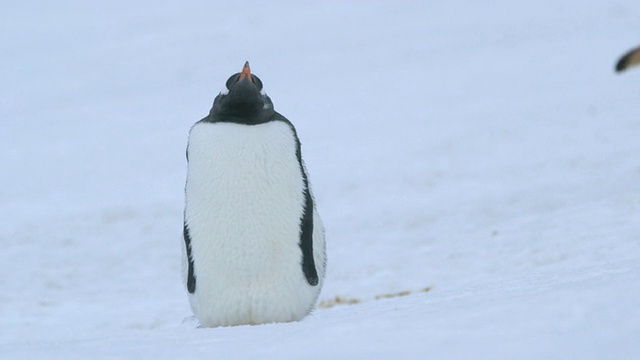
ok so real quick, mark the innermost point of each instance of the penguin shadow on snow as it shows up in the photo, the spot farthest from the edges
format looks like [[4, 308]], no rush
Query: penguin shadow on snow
[[340, 300]]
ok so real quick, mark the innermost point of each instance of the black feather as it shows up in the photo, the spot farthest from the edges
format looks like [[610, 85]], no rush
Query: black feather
[[191, 278]]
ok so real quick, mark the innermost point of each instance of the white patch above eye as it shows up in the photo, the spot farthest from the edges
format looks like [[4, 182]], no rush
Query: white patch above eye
[[224, 91], [267, 101]]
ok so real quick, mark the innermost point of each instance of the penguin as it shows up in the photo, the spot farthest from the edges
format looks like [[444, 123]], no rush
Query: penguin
[[254, 244], [629, 59]]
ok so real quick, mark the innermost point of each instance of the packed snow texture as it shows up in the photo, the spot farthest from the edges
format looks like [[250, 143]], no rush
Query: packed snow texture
[[486, 151]]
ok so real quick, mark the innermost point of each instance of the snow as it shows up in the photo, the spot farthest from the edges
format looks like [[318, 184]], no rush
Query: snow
[[486, 151]]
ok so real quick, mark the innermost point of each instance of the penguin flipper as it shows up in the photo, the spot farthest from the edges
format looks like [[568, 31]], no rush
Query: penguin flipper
[[306, 222], [306, 239], [191, 279]]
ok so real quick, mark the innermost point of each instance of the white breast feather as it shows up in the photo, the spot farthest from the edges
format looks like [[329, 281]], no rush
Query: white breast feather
[[244, 201]]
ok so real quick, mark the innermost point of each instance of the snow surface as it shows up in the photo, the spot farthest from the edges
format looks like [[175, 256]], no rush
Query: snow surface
[[485, 150]]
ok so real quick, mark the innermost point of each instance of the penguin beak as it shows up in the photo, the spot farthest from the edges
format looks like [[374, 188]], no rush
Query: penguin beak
[[246, 72]]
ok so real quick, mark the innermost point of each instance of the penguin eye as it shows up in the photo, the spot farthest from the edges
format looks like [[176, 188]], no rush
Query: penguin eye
[[232, 80]]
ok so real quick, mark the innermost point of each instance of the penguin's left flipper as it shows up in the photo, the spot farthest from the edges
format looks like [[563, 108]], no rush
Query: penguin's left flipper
[[306, 223], [306, 239]]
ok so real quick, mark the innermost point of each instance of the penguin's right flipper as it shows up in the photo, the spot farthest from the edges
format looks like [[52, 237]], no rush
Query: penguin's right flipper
[[191, 278], [628, 60]]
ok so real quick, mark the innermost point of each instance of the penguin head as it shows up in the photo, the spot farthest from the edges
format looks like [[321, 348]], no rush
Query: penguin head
[[244, 101]]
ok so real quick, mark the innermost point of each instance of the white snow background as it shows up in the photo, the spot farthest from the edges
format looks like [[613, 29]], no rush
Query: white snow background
[[485, 150]]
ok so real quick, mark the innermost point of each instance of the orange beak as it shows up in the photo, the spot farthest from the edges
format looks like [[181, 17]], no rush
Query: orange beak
[[246, 71]]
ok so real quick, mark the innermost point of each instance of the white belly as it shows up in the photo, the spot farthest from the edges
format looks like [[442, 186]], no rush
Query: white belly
[[244, 202]]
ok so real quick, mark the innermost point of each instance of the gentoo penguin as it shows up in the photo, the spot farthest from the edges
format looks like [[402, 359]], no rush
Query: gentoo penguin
[[629, 59], [254, 247]]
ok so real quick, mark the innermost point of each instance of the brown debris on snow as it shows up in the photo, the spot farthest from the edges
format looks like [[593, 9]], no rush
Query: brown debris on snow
[[339, 300]]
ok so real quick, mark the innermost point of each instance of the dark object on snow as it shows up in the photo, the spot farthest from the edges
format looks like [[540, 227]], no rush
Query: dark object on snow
[[631, 58]]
